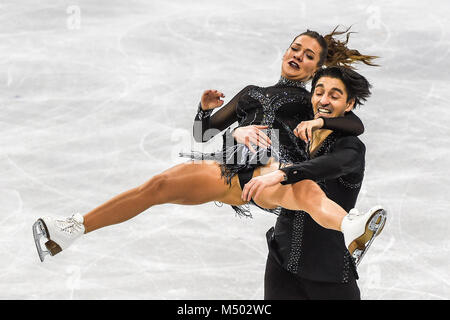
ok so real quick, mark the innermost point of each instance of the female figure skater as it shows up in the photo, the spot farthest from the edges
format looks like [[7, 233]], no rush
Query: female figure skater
[[280, 107]]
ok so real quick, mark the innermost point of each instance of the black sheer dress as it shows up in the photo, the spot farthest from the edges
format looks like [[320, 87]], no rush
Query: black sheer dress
[[281, 107]]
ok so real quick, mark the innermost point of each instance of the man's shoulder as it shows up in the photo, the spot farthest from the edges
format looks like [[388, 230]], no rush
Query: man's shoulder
[[347, 141]]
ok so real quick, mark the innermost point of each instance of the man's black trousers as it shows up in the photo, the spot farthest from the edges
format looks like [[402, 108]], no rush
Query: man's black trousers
[[280, 284]]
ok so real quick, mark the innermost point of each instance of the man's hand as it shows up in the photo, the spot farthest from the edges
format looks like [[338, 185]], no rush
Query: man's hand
[[211, 99], [255, 186], [252, 134], [305, 129]]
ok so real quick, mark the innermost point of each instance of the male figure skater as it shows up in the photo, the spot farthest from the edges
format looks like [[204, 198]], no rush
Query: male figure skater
[[307, 261]]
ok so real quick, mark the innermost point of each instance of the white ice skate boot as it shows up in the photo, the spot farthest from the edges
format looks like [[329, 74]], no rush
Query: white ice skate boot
[[360, 229], [59, 233]]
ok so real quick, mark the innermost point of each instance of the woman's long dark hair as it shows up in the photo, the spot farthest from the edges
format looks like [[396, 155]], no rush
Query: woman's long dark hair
[[335, 52]]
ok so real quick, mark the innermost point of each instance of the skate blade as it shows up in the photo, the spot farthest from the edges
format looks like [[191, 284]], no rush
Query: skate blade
[[374, 226], [40, 231]]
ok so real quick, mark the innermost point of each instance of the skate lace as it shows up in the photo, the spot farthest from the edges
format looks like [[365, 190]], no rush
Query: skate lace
[[70, 225]]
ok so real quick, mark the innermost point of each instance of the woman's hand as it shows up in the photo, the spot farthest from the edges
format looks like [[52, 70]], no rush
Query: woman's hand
[[255, 186], [252, 134], [211, 99], [305, 129]]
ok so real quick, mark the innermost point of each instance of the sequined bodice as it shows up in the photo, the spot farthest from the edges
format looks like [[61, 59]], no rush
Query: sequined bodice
[[281, 107]]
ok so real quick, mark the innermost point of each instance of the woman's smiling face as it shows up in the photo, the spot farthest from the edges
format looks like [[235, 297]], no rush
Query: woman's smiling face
[[301, 59]]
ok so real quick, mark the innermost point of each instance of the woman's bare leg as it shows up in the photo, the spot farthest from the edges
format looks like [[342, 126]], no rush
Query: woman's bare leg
[[190, 183], [304, 195]]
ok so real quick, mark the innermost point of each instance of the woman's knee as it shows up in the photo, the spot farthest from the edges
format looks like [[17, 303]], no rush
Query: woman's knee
[[155, 184], [308, 193]]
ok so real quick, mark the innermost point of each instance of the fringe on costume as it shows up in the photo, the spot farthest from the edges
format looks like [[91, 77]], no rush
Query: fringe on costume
[[232, 160]]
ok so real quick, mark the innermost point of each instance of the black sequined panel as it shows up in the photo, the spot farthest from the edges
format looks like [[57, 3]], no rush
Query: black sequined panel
[[296, 242]]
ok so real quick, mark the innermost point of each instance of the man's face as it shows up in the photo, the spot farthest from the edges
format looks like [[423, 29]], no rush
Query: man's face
[[329, 99]]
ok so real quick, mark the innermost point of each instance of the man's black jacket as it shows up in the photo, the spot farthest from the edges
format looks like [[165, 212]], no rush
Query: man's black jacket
[[297, 242]]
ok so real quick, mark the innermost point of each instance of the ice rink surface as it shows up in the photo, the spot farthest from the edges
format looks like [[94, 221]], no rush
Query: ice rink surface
[[98, 96]]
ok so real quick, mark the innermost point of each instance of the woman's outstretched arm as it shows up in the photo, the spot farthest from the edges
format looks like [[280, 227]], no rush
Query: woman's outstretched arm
[[206, 126]]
